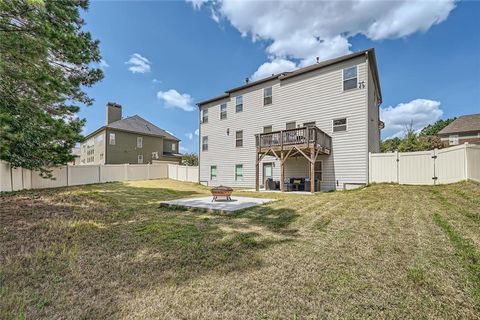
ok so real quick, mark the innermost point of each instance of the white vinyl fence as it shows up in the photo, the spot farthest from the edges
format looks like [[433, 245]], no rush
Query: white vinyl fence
[[12, 179], [439, 166]]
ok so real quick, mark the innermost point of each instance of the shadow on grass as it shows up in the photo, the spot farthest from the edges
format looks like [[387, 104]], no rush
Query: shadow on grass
[[84, 259]]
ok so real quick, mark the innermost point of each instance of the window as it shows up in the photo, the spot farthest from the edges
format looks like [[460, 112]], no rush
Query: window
[[213, 172], [267, 129], [309, 124], [267, 96], [349, 78], [155, 155], [112, 138], [139, 142], [140, 158], [223, 111], [205, 143], [101, 156], [340, 125], [239, 138], [205, 115], [318, 170], [239, 172], [453, 139], [239, 104], [174, 147], [291, 125]]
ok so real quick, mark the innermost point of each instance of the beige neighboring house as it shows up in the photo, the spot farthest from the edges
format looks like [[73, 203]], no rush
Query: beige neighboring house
[[310, 129], [76, 154], [464, 129], [132, 140]]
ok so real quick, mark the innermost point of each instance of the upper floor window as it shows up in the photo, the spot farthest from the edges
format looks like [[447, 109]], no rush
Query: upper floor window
[[239, 172], [239, 104], [139, 142], [349, 78], [267, 129], [267, 96], [112, 138], [453, 139], [309, 124], [291, 125], [239, 138], [174, 147], [340, 125], [223, 111], [213, 172], [205, 115], [205, 143]]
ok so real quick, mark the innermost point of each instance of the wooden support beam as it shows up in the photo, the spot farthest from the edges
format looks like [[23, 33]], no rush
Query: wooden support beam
[[312, 170], [284, 158], [282, 172], [257, 182], [303, 153]]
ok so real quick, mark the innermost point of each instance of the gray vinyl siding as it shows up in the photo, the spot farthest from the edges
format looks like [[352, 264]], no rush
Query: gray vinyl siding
[[315, 96], [125, 149]]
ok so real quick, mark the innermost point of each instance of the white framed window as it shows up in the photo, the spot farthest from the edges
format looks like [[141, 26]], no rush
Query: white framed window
[[139, 142], [291, 125], [453, 139], [223, 111], [349, 78], [111, 138], [140, 158], [267, 96], [318, 170], [239, 138], [205, 143], [174, 147], [267, 129], [339, 125], [205, 115], [155, 155], [213, 172], [239, 104], [239, 172]]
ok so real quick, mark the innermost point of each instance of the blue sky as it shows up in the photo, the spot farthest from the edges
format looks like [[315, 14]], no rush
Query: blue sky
[[183, 52]]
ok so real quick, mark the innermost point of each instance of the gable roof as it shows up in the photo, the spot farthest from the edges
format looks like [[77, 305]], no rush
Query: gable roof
[[467, 123], [137, 124], [285, 75]]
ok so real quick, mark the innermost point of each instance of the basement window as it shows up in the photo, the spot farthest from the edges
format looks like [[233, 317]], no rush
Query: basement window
[[349, 78], [239, 172], [213, 172]]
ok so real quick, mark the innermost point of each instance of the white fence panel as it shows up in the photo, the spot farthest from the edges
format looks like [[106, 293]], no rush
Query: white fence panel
[[5, 177], [137, 172], [59, 174], [450, 165], [113, 172], [415, 168], [172, 171], [383, 167], [473, 162], [85, 174], [182, 173], [192, 174], [158, 171]]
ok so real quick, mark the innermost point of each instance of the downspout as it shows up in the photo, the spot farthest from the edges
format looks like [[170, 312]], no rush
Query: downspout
[[368, 117], [199, 141]]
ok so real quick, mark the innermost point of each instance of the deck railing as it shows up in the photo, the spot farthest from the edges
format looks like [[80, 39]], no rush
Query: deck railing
[[304, 135]]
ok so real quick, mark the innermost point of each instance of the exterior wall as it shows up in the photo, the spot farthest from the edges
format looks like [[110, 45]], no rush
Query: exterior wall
[[315, 96], [92, 151], [468, 137], [125, 149], [168, 146], [373, 116]]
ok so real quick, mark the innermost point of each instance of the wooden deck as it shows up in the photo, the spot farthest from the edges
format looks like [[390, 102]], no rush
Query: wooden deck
[[306, 141]]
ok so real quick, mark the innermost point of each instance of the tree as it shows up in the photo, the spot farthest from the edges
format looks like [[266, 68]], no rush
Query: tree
[[45, 60], [433, 129], [390, 145], [412, 143], [190, 159]]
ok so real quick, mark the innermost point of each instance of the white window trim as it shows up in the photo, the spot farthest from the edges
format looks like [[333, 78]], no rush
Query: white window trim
[[174, 146], [343, 79], [139, 142], [346, 125], [138, 158], [452, 137], [235, 172], [236, 139], [110, 139], [216, 177], [226, 114], [270, 96], [202, 144], [204, 110], [238, 104]]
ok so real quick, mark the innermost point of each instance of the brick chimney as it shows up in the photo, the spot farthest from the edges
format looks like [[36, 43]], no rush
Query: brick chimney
[[114, 112]]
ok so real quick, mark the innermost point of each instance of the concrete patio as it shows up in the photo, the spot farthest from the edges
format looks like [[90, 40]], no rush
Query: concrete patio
[[205, 203]]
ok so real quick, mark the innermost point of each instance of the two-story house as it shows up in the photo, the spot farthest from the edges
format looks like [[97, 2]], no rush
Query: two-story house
[[464, 129], [130, 140], [310, 129]]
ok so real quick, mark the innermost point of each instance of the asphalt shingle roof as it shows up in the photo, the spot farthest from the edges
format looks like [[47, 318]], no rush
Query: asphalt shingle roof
[[467, 123]]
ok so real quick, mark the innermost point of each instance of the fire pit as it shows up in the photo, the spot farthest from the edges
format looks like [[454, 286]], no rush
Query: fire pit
[[221, 191]]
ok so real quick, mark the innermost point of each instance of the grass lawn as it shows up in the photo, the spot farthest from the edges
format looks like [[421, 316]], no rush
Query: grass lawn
[[110, 251]]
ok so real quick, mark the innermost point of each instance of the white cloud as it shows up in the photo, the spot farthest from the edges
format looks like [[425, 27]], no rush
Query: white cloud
[[189, 135], [155, 80], [197, 132], [197, 4], [273, 67], [304, 30], [138, 64], [172, 98], [417, 113], [103, 64]]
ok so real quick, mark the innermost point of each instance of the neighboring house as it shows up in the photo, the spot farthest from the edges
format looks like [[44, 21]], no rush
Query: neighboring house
[[130, 140], [461, 130], [76, 154], [322, 120]]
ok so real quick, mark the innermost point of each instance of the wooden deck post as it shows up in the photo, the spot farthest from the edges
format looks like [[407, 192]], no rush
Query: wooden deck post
[[282, 172], [257, 164], [312, 170]]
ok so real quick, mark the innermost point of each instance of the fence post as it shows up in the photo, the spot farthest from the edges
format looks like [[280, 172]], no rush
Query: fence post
[[99, 172], [186, 173], [125, 166], [397, 172], [465, 146], [11, 176], [369, 167], [148, 171]]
